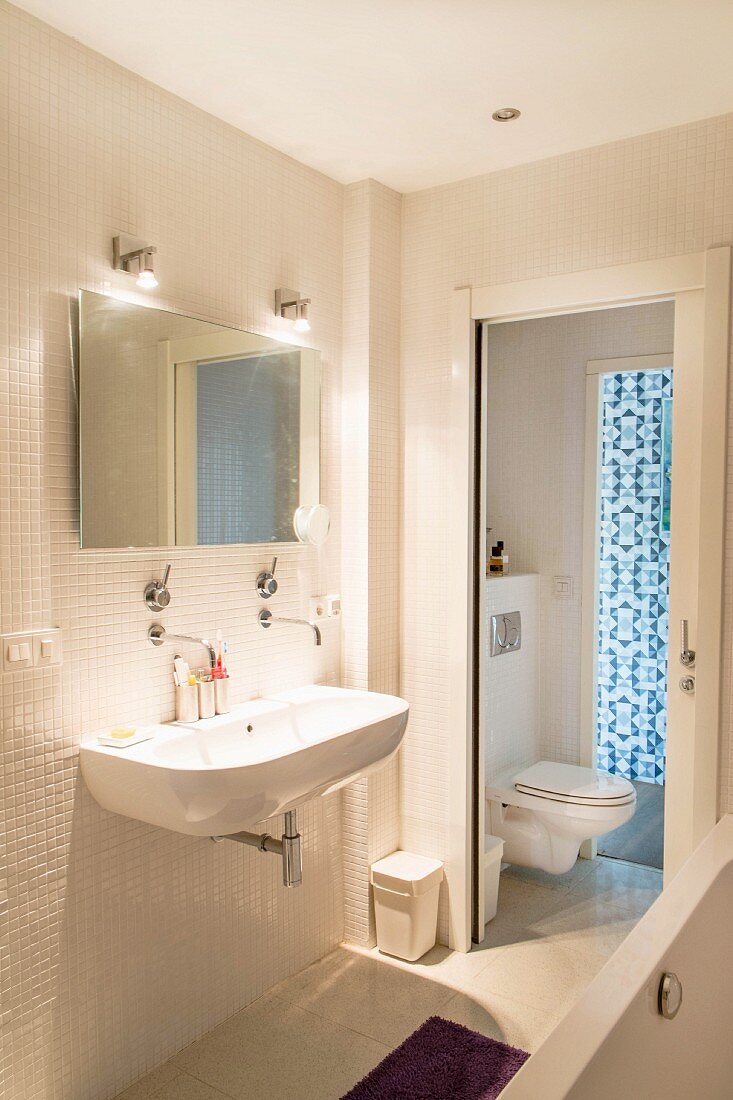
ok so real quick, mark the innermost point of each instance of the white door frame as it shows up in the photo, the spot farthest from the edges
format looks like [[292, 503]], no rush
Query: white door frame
[[700, 285]]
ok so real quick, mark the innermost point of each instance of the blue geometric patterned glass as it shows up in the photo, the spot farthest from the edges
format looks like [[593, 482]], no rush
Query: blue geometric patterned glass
[[633, 611], [666, 463]]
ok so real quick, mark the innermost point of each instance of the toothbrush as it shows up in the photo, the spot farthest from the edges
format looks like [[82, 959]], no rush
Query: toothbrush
[[180, 671]]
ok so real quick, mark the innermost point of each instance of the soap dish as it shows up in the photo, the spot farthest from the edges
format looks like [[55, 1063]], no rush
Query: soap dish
[[123, 736]]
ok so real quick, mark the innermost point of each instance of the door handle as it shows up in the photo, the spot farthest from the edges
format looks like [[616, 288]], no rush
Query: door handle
[[687, 656]]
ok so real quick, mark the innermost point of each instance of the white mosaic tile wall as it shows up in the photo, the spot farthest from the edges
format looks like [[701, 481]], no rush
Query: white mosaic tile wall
[[536, 457], [511, 681], [371, 516], [121, 943], [661, 194]]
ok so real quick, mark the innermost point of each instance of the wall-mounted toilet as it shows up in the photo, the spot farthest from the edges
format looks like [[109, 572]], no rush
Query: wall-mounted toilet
[[543, 813]]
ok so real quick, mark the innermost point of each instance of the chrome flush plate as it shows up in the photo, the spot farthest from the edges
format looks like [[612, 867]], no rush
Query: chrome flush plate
[[506, 633]]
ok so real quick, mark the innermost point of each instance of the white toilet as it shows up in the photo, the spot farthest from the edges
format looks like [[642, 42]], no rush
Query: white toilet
[[543, 813]]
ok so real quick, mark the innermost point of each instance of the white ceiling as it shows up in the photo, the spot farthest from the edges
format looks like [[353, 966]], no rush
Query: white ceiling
[[403, 90]]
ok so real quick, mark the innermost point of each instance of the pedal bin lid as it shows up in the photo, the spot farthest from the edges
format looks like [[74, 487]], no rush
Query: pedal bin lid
[[405, 873]]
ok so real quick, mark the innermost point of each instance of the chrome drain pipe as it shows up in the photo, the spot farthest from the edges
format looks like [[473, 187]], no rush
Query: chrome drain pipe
[[288, 847]]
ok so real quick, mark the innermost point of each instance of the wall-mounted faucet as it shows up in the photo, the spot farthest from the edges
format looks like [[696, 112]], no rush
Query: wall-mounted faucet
[[266, 619], [157, 635]]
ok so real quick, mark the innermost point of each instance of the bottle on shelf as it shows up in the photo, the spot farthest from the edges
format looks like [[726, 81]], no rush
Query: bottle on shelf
[[496, 562]]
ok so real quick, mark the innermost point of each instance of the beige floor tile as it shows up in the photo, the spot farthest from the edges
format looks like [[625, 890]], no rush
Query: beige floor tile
[[540, 973], [320, 1031], [575, 875], [510, 1021], [274, 1050], [168, 1083], [586, 925], [381, 1001], [448, 968], [624, 885], [521, 906]]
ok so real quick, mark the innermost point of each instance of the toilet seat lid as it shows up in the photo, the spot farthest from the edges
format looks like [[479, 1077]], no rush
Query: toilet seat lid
[[571, 783]]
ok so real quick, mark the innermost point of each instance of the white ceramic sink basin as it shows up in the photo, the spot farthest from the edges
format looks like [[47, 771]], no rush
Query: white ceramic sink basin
[[225, 774]]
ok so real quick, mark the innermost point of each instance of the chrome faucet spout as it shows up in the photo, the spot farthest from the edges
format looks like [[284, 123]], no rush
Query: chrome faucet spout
[[158, 634], [266, 619], [301, 622]]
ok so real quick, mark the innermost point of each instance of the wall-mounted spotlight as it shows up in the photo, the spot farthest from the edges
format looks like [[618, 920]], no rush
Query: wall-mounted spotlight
[[506, 114], [289, 304], [134, 256]]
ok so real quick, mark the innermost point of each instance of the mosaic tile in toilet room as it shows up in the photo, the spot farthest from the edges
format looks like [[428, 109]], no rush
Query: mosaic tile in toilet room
[[510, 683]]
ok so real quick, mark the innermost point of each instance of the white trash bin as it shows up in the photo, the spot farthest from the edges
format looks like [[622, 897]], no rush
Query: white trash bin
[[493, 851], [406, 889]]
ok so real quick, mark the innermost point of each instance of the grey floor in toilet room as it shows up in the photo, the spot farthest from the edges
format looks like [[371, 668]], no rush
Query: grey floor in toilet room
[[316, 1034], [640, 840]]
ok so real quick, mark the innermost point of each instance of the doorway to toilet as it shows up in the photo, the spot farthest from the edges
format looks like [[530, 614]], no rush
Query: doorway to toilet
[[696, 288], [549, 398]]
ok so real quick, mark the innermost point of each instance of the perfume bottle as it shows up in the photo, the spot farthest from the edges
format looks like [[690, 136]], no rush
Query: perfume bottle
[[496, 562]]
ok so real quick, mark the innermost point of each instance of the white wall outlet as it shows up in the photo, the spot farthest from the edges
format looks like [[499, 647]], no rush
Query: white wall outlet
[[317, 608], [324, 607], [17, 652], [562, 587], [47, 648]]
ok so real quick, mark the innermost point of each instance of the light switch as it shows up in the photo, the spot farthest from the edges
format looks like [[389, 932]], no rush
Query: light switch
[[47, 648], [36, 648], [17, 652], [562, 587]]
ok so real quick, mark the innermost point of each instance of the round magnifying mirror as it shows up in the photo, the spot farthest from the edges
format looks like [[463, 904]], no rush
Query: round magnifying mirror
[[312, 523]]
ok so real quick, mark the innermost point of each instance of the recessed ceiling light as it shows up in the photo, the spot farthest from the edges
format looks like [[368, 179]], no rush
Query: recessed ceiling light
[[506, 114]]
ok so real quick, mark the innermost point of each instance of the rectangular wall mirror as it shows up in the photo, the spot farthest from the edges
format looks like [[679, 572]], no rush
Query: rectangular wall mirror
[[190, 433]]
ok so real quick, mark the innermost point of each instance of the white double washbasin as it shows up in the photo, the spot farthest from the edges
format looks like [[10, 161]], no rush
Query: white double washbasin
[[222, 775]]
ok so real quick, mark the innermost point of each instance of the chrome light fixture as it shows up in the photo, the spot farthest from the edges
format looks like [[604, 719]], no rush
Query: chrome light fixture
[[506, 114], [290, 305], [135, 257]]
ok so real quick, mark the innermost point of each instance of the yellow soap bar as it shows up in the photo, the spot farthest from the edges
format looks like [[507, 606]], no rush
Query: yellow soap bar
[[122, 737]]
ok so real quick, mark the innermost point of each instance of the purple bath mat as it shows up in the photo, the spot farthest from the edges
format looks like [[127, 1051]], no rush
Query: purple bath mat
[[442, 1061]]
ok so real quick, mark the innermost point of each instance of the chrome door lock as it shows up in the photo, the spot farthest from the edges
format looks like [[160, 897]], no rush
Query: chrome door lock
[[157, 593], [266, 583], [687, 655], [687, 684]]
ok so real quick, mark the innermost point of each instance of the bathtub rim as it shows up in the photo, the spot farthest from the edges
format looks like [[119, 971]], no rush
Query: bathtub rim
[[557, 1064]]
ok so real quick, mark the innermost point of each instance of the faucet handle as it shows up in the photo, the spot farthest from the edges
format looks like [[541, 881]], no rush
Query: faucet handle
[[157, 594], [266, 583]]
